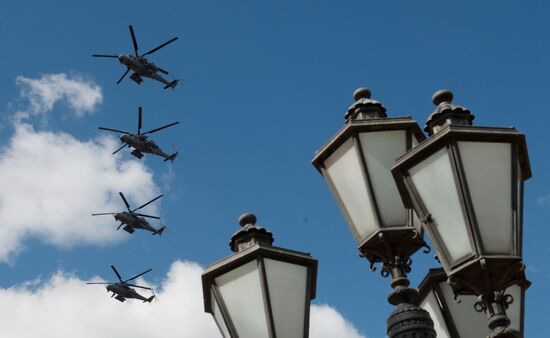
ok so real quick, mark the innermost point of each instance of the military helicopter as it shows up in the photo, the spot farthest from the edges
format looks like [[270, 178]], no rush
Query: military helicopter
[[140, 65], [122, 289], [140, 143], [132, 220]]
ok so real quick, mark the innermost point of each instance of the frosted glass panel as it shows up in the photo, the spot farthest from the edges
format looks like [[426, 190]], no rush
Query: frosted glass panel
[[218, 317], [514, 310], [242, 294], [518, 214], [414, 142], [433, 178], [287, 290], [344, 170], [431, 305], [488, 170], [380, 150], [468, 322]]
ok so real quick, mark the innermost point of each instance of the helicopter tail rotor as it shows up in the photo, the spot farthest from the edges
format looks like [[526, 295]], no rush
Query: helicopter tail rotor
[[172, 84], [150, 299]]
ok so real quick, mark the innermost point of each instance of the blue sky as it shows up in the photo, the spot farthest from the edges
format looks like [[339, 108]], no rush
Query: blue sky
[[265, 84]]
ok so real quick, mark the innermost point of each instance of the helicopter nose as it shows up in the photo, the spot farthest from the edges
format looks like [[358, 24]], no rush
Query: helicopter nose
[[122, 58]]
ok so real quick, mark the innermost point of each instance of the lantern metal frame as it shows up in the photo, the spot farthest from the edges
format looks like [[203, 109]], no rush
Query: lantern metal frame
[[387, 242], [435, 277], [472, 273], [253, 243]]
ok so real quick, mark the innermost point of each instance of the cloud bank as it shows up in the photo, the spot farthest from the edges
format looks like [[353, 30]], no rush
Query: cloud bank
[[63, 306], [52, 182], [80, 94]]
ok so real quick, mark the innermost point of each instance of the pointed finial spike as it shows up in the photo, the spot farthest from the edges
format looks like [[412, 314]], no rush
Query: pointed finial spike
[[442, 95]]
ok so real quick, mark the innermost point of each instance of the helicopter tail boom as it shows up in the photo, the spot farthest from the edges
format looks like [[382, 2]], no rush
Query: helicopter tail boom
[[171, 157], [172, 84], [159, 231]]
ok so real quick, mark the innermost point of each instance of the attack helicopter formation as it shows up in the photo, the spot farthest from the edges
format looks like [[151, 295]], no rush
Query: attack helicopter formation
[[131, 220]]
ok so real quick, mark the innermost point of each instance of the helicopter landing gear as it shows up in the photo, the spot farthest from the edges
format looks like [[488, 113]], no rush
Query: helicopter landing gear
[[137, 153], [136, 78], [120, 298]]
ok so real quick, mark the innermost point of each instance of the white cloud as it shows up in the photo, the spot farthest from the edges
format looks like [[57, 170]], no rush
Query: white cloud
[[81, 95], [52, 182], [326, 322], [64, 306]]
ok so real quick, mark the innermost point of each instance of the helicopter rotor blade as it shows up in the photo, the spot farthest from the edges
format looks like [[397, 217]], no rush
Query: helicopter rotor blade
[[99, 283], [119, 149], [104, 56], [151, 201], [115, 130], [104, 213], [125, 201], [118, 228], [134, 40], [139, 120], [123, 76], [117, 274], [139, 286], [149, 216], [160, 128], [136, 276], [159, 47]]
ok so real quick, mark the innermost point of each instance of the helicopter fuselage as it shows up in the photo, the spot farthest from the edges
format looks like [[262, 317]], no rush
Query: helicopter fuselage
[[142, 67], [143, 145], [133, 221], [123, 291]]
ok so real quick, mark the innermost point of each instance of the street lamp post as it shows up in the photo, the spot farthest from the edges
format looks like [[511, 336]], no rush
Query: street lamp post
[[466, 184], [356, 164], [260, 291]]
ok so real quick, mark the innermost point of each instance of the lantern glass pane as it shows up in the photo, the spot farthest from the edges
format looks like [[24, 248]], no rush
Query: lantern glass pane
[[435, 183], [468, 322], [431, 304], [346, 174], [241, 290], [515, 309], [287, 285], [380, 149], [488, 170], [519, 212], [217, 313]]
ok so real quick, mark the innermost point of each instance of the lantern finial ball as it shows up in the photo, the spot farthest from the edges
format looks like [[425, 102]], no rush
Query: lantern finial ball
[[361, 93], [246, 219], [442, 95]]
